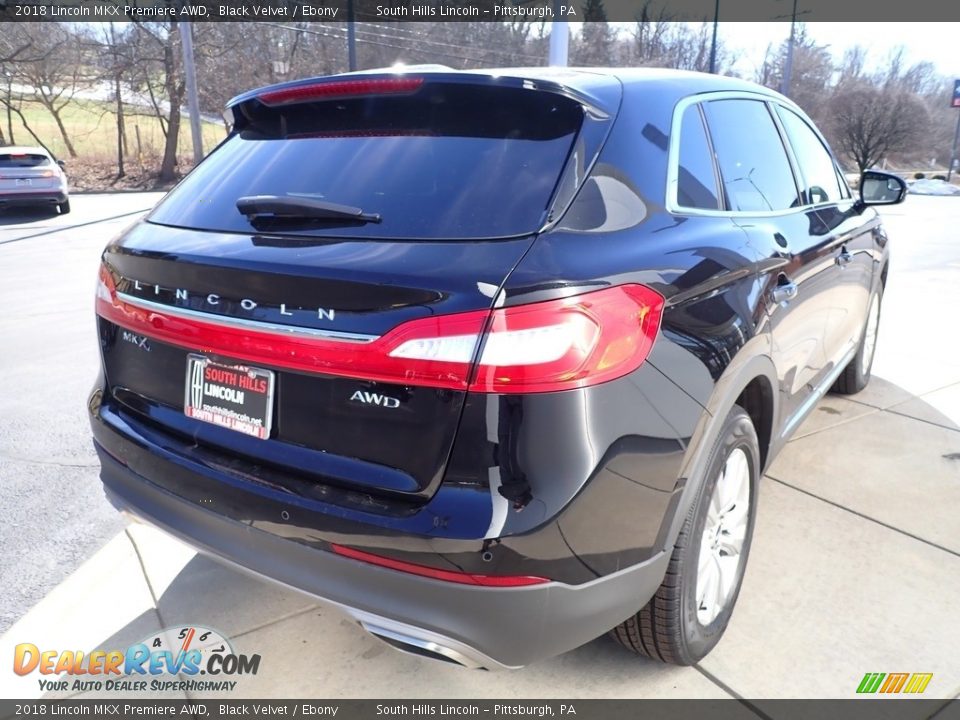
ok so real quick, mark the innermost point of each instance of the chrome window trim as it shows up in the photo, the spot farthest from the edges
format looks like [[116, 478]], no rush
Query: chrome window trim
[[841, 183], [245, 324], [673, 155]]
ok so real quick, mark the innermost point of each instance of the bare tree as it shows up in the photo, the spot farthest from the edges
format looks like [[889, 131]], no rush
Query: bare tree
[[597, 42], [7, 100], [159, 72], [650, 36], [107, 49], [922, 79], [14, 47], [851, 70], [11, 48], [54, 69], [691, 49], [811, 74], [14, 108], [118, 66], [870, 123], [659, 41]]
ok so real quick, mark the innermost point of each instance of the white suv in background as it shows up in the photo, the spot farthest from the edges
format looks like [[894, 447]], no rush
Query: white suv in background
[[31, 176]]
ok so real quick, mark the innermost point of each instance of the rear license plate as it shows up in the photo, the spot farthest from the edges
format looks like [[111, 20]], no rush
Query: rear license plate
[[237, 397], [23, 182]]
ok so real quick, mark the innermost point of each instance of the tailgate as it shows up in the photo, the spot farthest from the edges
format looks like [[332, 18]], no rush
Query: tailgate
[[387, 435], [288, 340]]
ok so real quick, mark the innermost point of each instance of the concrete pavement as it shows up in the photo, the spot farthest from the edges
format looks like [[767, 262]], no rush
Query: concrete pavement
[[855, 566], [54, 516]]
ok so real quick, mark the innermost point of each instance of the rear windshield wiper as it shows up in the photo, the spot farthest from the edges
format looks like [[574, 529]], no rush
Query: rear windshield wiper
[[279, 207]]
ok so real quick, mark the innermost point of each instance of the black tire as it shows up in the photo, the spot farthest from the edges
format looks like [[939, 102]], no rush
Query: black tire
[[668, 628], [64, 207], [856, 375]]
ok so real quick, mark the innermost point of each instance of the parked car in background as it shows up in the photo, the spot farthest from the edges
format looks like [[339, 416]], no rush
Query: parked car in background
[[30, 176], [493, 361], [930, 186]]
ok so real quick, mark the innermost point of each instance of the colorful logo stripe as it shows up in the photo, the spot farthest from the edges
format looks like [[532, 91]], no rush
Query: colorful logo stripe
[[888, 683], [918, 682]]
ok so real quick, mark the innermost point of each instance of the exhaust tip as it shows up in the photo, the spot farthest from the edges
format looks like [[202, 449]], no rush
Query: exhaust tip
[[421, 647], [411, 649]]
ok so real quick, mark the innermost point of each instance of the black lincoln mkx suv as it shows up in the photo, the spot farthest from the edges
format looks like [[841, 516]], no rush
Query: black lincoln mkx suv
[[493, 361]]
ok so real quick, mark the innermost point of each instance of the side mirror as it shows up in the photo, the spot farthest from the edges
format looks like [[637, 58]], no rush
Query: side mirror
[[62, 164], [880, 188]]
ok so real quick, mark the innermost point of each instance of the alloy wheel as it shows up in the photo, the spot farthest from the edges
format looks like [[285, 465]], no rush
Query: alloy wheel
[[723, 536]]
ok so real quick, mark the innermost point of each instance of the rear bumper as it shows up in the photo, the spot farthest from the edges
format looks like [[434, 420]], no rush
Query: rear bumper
[[474, 626], [44, 197]]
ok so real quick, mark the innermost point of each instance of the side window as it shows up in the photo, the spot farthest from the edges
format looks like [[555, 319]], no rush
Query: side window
[[754, 169], [696, 177], [820, 183]]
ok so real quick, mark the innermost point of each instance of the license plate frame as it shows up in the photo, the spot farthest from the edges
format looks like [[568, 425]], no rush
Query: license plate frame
[[236, 397]]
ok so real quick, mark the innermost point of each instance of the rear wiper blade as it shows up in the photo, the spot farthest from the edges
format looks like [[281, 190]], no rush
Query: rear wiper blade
[[281, 207]]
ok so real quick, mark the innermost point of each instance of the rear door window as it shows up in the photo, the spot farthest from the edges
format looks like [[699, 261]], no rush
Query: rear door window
[[448, 162], [754, 168]]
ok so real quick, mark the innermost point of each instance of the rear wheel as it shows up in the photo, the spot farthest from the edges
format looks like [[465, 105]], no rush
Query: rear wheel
[[688, 614], [856, 374], [64, 207]]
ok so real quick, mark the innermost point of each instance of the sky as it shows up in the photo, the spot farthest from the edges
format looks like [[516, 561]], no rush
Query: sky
[[938, 43]]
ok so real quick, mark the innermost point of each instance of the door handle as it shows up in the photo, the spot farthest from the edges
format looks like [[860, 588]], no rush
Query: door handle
[[844, 257], [784, 292]]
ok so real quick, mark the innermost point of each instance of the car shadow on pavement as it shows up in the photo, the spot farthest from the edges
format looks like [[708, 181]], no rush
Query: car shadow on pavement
[[20, 216]]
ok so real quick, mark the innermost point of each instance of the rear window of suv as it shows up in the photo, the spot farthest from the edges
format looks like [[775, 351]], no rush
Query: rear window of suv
[[14, 160], [451, 161]]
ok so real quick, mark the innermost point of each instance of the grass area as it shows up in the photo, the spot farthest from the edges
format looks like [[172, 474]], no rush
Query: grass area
[[91, 126]]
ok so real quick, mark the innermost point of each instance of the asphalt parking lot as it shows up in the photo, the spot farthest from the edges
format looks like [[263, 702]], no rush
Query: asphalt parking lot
[[855, 566]]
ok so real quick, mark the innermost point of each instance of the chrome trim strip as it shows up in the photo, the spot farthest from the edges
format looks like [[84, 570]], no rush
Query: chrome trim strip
[[242, 323], [817, 395]]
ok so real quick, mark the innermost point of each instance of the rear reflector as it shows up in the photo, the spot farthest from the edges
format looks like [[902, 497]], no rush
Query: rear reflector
[[437, 574], [338, 89], [549, 346]]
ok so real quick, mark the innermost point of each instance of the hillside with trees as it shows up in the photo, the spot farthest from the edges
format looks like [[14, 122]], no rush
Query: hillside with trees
[[109, 98]]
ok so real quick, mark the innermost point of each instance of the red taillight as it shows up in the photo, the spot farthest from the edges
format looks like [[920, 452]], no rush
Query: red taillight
[[569, 343], [437, 574], [106, 288], [556, 345], [543, 347], [339, 89]]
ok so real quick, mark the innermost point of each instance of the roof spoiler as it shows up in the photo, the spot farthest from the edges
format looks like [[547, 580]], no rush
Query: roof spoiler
[[407, 81]]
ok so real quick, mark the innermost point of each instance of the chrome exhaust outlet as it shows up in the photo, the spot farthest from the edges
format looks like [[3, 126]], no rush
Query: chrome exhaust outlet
[[433, 648]]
